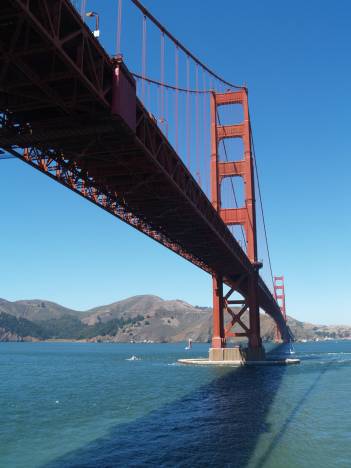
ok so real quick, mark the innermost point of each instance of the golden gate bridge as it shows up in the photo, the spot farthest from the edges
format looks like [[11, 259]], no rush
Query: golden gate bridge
[[156, 147]]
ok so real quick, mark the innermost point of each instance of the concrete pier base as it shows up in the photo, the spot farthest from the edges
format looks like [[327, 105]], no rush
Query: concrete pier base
[[267, 362], [237, 356]]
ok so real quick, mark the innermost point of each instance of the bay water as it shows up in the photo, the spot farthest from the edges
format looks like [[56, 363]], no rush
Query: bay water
[[87, 405]]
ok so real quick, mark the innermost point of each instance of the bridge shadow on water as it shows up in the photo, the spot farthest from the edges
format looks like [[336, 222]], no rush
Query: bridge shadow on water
[[217, 424]]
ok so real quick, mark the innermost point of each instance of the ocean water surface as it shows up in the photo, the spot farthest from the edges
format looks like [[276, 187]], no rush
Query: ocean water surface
[[86, 405]]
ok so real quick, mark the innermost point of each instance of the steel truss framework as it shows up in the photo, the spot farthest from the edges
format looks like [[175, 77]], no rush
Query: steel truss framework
[[236, 317], [63, 171]]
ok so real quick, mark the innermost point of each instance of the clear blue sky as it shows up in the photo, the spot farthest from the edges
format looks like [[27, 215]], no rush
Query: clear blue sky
[[295, 58]]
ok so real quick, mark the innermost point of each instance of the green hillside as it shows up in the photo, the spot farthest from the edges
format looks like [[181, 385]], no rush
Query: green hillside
[[65, 327]]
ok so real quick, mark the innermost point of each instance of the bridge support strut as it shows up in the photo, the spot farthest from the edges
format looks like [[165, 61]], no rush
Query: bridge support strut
[[244, 216], [218, 338]]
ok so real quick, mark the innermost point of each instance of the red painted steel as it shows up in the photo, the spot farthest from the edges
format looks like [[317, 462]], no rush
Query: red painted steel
[[245, 216], [67, 109], [218, 337], [279, 295], [124, 95]]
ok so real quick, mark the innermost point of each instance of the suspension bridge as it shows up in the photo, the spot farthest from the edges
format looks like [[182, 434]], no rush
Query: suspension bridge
[[150, 136]]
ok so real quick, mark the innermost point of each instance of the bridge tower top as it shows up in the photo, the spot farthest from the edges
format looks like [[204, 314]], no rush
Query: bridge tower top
[[279, 296], [279, 293], [245, 215]]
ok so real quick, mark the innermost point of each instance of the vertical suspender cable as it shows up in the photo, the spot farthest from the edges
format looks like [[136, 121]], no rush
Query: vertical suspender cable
[[159, 104], [119, 28], [162, 116], [166, 119], [83, 8], [197, 137], [188, 111], [261, 202], [149, 95], [187, 52], [143, 60], [206, 132], [176, 97]]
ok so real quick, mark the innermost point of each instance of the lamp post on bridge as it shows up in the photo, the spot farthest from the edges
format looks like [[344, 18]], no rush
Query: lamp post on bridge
[[92, 14]]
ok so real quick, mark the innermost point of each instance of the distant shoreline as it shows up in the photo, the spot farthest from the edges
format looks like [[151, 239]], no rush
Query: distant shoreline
[[138, 319], [92, 341]]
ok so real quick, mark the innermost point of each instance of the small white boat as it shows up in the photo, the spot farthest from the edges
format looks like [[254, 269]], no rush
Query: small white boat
[[190, 344], [133, 358], [292, 361]]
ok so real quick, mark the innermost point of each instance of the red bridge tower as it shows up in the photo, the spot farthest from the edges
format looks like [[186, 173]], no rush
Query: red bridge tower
[[279, 296], [245, 216]]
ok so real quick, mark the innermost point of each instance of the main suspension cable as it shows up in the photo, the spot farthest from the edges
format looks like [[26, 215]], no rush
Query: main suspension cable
[[261, 202], [141, 7], [174, 88]]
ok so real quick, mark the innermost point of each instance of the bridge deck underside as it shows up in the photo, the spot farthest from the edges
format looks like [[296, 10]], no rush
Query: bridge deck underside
[[56, 89]]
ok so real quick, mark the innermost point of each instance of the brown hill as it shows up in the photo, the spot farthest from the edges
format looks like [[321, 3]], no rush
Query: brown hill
[[149, 318], [36, 309]]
